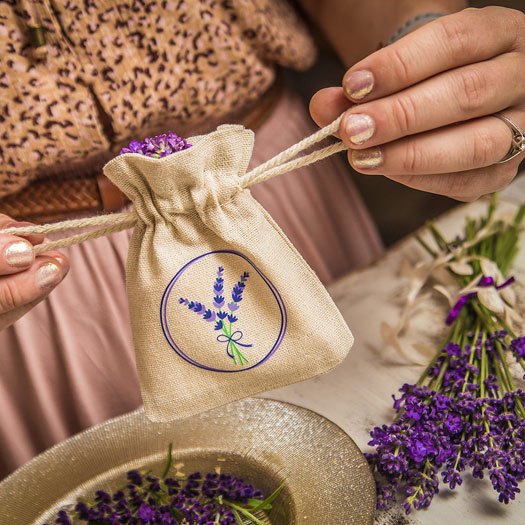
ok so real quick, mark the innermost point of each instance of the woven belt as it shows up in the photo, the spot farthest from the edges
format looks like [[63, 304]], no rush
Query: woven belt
[[51, 199]]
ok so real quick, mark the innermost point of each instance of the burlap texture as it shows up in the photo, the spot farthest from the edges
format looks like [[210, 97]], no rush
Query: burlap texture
[[199, 232]]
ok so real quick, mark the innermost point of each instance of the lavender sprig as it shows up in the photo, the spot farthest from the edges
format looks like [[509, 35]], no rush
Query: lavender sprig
[[218, 287], [157, 147], [237, 291], [231, 338], [465, 412]]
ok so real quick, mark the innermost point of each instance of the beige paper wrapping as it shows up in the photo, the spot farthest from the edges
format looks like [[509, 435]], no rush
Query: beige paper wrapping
[[196, 224]]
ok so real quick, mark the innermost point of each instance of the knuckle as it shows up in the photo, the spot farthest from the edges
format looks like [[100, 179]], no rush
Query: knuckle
[[401, 65], [10, 296], [404, 114], [517, 23], [459, 184], [472, 90], [457, 35], [413, 158], [504, 176], [483, 147]]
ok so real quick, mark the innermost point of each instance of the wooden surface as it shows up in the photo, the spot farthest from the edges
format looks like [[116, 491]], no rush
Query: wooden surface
[[357, 394]]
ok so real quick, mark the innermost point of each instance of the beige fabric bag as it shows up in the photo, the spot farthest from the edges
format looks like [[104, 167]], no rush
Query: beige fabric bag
[[222, 306]]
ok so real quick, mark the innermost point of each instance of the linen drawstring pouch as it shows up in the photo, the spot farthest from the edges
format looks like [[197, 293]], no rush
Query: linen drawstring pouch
[[222, 305]]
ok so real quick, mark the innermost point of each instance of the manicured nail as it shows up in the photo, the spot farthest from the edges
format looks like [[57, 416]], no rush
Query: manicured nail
[[18, 224], [367, 158], [358, 84], [48, 275], [19, 254], [59, 259], [360, 128]]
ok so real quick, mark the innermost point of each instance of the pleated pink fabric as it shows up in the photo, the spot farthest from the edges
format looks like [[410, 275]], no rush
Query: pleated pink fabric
[[69, 363]]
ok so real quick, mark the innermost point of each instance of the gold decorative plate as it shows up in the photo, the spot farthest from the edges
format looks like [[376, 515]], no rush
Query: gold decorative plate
[[328, 481]]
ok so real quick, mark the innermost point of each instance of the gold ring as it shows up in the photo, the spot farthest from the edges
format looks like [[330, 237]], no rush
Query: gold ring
[[518, 138]]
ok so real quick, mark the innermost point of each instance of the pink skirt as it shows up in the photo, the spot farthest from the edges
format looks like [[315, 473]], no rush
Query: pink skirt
[[69, 363]]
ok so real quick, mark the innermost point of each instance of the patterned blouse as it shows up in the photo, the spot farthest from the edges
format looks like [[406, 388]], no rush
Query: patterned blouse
[[115, 70]]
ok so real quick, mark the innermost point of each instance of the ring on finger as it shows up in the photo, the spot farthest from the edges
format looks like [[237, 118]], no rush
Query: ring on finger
[[518, 138]]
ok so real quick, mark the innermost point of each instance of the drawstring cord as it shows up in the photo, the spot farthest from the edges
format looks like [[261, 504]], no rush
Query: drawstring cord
[[115, 222]]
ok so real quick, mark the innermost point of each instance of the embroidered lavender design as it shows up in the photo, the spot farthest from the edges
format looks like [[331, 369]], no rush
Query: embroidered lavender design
[[222, 317]]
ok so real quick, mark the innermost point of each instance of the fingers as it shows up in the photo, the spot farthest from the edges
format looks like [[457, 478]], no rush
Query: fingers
[[464, 186], [7, 222], [458, 95], [327, 104], [471, 145], [468, 37], [22, 288], [16, 254], [25, 279]]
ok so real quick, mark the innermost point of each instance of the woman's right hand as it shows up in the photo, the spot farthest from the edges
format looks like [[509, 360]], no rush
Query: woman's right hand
[[25, 279]]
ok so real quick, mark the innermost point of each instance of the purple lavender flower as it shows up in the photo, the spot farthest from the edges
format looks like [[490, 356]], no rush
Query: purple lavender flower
[[230, 337], [450, 431], [237, 292], [63, 518], [517, 345], [146, 513], [218, 300], [209, 316], [157, 147]]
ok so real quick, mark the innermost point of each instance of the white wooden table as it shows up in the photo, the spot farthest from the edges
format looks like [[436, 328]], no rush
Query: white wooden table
[[357, 394]]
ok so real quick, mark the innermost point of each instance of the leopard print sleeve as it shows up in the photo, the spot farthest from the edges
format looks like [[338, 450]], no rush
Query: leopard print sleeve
[[117, 68]]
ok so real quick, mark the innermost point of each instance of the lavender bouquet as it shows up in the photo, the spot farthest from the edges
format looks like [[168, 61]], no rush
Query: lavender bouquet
[[224, 318], [210, 499], [465, 413]]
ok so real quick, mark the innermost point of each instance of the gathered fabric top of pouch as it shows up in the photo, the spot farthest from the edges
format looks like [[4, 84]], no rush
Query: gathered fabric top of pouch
[[114, 70], [203, 176]]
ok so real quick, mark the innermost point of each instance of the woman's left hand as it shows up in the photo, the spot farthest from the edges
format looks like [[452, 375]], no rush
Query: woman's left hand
[[424, 105]]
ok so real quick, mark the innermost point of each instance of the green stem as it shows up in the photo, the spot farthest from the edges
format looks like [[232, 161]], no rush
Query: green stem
[[244, 511], [483, 367]]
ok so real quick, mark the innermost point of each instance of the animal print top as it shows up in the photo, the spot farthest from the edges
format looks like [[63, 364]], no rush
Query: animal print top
[[116, 69]]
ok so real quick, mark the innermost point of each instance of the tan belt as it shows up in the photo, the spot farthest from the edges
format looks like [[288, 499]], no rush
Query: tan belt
[[47, 200]]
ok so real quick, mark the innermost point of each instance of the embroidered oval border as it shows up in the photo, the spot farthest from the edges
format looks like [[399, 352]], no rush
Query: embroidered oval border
[[174, 346]]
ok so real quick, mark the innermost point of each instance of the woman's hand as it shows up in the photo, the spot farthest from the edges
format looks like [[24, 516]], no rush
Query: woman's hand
[[25, 279], [424, 104]]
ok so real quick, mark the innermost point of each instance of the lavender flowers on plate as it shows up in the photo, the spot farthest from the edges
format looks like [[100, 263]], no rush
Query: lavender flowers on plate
[[465, 413], [209, 499]]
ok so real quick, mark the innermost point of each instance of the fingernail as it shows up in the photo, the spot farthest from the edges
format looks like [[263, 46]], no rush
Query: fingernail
[[19, 254], [59, 259], [367, 158], [18, 224], [360, 128], [48, 275], [358, 84]]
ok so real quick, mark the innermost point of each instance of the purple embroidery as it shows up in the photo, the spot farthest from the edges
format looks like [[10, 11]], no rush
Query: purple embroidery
[[223, 318], [232, 340]]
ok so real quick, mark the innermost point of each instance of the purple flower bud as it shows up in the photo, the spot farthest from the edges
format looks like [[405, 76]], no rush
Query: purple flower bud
[[209, 316], [157, 147], [146, 513], [218, 301]]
